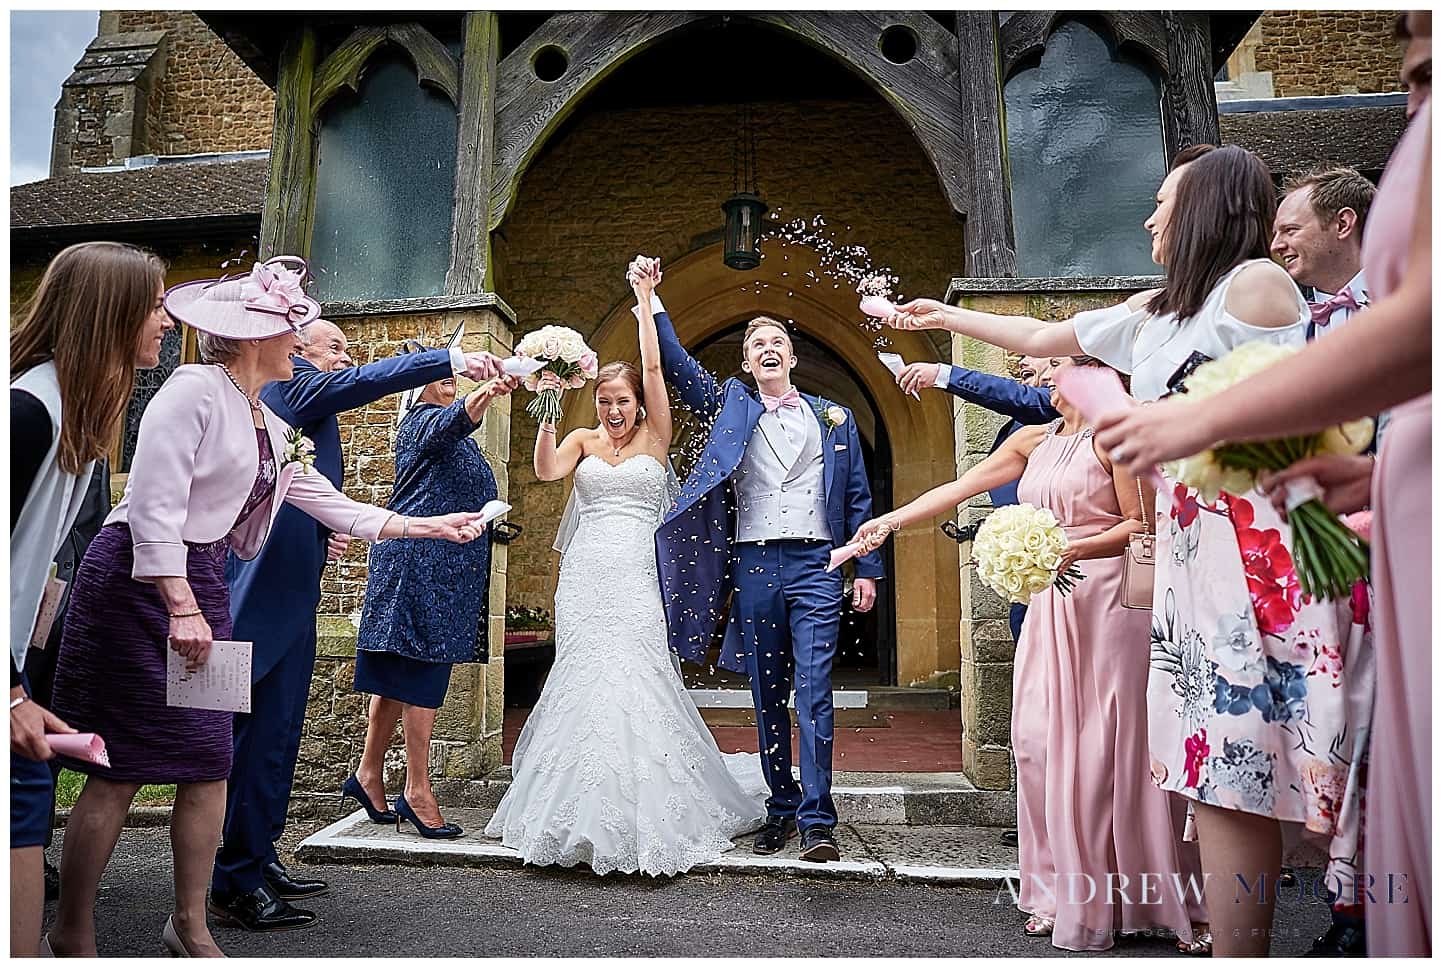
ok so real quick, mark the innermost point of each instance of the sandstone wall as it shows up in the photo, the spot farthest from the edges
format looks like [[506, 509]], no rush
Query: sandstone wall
[[1315, 52], [205, 99]]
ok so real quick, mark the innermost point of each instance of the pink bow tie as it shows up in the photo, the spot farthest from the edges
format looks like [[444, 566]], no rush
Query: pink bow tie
[[788, 399], [1322, 311]]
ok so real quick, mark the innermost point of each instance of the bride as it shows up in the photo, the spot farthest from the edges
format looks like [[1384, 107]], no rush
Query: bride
[[615, 768]]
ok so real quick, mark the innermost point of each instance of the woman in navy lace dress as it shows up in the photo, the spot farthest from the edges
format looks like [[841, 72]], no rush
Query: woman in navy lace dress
[[425, 606]]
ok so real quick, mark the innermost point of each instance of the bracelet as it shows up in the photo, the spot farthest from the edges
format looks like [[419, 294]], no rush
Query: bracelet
[[405, 526], [18, 700], [546, 429], [185, 614]]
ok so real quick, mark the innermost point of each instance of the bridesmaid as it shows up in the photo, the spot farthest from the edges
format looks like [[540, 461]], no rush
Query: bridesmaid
[[1383, 359], [1087, 810]]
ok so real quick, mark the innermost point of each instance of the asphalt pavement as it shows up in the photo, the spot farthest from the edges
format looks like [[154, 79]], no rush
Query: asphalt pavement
[[430, 912]]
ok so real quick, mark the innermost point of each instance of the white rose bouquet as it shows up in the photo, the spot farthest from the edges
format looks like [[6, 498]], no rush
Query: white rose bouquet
[[568, 364], [1017, 552], [1330, 557]]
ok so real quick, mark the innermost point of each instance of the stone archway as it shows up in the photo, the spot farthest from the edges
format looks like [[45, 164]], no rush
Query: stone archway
[[704, 297]]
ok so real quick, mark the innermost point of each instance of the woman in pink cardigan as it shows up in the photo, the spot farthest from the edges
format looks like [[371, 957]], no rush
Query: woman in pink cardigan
[[211, 468]]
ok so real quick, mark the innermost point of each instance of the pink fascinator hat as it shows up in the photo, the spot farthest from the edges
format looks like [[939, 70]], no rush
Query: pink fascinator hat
[[267, 302]]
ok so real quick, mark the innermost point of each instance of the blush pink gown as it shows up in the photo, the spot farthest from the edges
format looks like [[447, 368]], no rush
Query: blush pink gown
[[1398, 846], [1089, 817]]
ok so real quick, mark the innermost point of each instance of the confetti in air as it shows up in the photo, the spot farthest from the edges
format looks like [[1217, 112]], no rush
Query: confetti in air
[[840, 264]]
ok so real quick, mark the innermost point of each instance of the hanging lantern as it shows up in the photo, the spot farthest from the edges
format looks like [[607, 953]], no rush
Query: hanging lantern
[[743, 230], [744, 209]]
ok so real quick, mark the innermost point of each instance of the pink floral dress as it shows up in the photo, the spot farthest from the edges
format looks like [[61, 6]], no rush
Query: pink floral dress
[[1258, 699]]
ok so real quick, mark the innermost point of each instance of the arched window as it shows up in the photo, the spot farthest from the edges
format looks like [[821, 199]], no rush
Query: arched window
[[384, 187], [1085, 151]]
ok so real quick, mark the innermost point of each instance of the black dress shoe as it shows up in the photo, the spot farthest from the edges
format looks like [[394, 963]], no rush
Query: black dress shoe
[[1008, 838], [1341, 941], [259, 910], [291, 888], [773, 836], [818, 845]]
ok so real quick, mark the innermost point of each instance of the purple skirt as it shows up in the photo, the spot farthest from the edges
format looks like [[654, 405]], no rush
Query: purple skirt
[[110, 674]]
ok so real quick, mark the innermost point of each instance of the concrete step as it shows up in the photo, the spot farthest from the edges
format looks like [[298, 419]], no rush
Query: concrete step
[[871, 698], [861, 798], [937, 854]]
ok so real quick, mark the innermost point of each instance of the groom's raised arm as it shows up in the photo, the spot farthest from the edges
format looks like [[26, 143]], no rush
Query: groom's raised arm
[[695, 385]]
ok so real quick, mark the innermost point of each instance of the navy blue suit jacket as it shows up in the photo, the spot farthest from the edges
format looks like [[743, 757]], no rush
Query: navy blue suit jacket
[[1023, 404], [693, 544], [274, 597]]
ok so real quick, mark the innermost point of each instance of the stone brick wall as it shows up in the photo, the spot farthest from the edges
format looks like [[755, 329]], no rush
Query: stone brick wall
[[1315, 52], [621, 182], [205, 99]]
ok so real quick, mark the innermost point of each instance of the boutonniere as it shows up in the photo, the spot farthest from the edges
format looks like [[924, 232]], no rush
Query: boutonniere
[[299, 449], [830, 415]]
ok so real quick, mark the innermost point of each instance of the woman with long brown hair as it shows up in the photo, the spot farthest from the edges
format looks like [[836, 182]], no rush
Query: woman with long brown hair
[[1382, 362], [1257, 696], [94, 319]]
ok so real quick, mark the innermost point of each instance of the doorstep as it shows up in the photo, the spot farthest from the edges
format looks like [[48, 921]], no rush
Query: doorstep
[[935, 854], [947, 799]]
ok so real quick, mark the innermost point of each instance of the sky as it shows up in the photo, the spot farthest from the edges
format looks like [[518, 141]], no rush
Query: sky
[[44, 48]]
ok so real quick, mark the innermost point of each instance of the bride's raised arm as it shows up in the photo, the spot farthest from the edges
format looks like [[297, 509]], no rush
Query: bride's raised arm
[[653, 380], [551, 461]]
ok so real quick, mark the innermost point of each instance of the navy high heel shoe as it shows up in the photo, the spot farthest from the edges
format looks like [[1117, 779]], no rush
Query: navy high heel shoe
[[446, 831], [353, 789]]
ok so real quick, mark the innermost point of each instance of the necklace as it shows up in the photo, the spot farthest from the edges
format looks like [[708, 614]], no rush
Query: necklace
[[253, 401], [617, 450]]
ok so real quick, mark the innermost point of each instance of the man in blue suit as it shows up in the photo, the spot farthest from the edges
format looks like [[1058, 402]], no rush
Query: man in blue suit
[[274, 599], [779, 484], [1025, 402]]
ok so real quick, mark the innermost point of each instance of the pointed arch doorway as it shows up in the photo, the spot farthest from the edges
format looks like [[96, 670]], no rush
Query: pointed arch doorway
[[911, 442]]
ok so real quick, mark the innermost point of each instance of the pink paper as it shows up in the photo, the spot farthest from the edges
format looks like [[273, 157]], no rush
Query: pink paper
[[1094, 390], [80, 746], [1097, 391], [878, 306], [840, 556], [1360, 522]]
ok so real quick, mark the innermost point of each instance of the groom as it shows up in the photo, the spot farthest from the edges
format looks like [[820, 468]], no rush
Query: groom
[[779, 483]]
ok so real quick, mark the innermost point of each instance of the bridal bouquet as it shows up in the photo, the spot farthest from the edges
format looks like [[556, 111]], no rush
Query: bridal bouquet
[[1330, 557], [567, 363], [1017, 552]]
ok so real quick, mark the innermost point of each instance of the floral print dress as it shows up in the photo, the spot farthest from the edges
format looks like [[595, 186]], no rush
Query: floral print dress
[[1259, 698]]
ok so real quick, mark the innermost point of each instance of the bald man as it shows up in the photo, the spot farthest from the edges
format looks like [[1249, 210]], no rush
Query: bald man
[[273, 600]]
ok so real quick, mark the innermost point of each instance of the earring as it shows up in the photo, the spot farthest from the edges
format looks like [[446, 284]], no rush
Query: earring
[[641, 412]]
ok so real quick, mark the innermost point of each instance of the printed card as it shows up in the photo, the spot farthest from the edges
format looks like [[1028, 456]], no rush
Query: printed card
[[223, 683]]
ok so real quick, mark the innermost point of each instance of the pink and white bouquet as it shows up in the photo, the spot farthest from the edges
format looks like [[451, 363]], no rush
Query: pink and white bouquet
[[567, 363], [1330, 557]]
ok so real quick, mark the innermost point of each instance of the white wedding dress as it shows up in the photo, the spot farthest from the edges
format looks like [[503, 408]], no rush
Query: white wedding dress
[[615, 768]]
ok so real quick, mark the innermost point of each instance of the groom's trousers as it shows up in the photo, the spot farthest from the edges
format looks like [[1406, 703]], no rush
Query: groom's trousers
[[789, 610]]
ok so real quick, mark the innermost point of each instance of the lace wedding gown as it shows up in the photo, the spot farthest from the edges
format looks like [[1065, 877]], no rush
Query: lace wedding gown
[[615, 768]]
